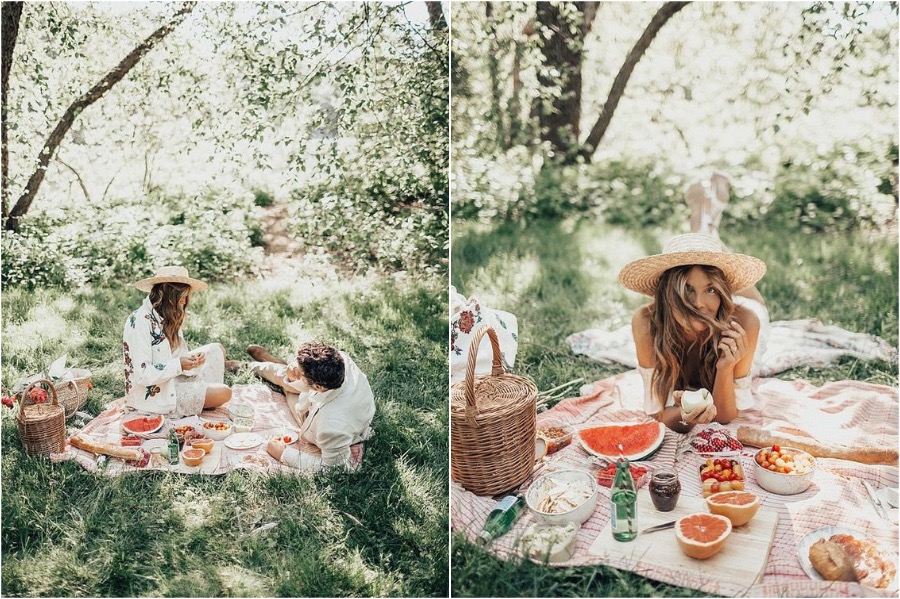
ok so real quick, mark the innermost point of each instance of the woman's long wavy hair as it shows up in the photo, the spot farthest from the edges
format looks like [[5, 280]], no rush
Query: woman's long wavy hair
[[670, 311], [165, 298]]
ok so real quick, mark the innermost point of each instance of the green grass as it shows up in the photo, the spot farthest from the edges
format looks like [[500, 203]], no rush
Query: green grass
[[379, 532], [559, 277]]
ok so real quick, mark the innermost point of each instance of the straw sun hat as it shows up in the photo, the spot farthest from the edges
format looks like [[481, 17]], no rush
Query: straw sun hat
[[170, 274], [741, 271]]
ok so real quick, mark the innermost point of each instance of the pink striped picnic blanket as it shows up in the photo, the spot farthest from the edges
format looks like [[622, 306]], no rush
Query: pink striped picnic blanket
[[271, 415], [859, 412]]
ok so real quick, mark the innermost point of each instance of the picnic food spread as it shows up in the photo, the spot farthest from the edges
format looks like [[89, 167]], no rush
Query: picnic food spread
[[802, 440], [631, 441], [844, 557]]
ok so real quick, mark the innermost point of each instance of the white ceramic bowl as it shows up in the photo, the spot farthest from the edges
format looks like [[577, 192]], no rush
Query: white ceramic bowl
[[240, 410], [785, 484], [580, 513], [214, 434]]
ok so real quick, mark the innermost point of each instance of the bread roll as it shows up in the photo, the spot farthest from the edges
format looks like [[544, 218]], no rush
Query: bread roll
[[830, 561]]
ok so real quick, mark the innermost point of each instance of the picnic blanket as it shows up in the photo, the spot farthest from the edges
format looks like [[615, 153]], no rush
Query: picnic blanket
[[861, 412], [792, 343], [271, 415]]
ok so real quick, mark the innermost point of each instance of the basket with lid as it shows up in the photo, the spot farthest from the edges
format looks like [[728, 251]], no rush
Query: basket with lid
[[42, 426], [492, 425]]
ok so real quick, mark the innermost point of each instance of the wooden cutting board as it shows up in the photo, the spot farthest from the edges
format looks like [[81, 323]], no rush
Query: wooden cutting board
[[741, 561]]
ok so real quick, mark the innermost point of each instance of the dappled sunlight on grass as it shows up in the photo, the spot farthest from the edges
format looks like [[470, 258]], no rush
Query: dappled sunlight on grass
[[504, 277], [43, 328], [241, 582], [193, 508]]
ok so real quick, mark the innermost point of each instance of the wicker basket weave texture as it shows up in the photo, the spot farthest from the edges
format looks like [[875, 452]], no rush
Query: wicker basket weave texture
[[492, 425], [42, 427], [73, 394]]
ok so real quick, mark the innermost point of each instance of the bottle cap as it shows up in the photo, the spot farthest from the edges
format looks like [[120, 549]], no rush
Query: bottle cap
[[484, 538]]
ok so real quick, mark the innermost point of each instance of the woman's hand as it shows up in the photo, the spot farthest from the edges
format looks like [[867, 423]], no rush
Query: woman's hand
[[733, 346], [275, 448], [193, 361], [701, 415]]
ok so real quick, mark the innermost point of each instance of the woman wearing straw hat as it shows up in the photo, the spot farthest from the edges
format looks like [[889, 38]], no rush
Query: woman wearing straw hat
[[162, 375], [705, 328]]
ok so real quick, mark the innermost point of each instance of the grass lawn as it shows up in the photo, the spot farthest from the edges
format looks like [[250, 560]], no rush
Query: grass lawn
[[559, 277], [379, 532]]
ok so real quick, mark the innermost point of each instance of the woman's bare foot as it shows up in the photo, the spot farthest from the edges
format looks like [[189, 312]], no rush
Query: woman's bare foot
[[261, 354]]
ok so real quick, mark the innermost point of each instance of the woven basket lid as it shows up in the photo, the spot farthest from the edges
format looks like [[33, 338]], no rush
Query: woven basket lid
[[497, 396]]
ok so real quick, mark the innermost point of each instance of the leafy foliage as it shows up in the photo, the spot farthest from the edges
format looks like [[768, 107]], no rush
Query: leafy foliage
[[211, 234]]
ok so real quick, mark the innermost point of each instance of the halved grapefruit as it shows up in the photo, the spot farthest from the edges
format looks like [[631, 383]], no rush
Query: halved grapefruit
[[737, 506], [637, 440], [701, 536]]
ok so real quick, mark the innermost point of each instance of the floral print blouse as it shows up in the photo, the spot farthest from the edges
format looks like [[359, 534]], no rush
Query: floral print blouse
[[150, 364]]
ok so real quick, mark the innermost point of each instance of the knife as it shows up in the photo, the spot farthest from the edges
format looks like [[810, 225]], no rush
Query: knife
[[875, 501], [659, 527]]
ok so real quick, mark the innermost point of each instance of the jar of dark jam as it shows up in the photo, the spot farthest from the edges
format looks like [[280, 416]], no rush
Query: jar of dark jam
[[665, 489]]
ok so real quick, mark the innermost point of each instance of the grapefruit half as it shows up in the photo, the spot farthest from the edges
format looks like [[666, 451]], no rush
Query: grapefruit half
[[701, 536], [737, 506]]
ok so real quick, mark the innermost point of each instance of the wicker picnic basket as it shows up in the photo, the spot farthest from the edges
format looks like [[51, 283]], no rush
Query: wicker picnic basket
[[492, 425], [72, 394], [42, 427]]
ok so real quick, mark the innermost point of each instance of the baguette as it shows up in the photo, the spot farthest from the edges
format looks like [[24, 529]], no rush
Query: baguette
[[110, 449], [757, 437]]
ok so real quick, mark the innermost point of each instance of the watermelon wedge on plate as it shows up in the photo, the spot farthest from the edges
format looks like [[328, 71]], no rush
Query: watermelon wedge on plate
[[638, 440]]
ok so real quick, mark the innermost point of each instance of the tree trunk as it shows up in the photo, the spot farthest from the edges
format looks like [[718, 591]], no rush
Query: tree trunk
[[88, 98], [563, 53], [436, 15], [11, 13], [666, 12]]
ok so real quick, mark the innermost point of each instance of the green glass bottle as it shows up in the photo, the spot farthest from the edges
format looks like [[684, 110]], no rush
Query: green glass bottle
[[501, 518], [173, 447], [623, 507]]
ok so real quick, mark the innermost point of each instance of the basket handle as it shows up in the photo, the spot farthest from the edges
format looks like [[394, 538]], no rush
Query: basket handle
[[28, 390], [496, 368]]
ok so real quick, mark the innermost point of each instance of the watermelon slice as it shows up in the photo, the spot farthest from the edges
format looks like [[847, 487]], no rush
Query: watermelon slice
[[638, 440], [143, 425]]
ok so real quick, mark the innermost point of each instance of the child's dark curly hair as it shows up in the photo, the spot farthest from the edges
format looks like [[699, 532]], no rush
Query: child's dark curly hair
[[321, 364]]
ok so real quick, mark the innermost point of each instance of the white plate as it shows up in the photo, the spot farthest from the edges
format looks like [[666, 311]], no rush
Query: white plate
[[282, 432], [162, 421], [243, 441], [826, 532]]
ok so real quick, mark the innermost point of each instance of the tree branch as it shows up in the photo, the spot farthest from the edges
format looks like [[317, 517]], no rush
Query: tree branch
[[88, 98], [666, 12], [11, 14], [436, 16], [84, 190]]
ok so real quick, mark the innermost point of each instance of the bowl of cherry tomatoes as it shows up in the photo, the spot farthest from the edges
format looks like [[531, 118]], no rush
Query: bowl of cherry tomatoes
[[784, 470], [721, 472]]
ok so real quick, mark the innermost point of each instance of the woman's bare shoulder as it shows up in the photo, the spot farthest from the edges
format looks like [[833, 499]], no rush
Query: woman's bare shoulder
[[643, 339], [747, 318]]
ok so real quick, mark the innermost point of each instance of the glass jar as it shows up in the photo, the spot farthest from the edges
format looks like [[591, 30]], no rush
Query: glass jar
[[665, 489]]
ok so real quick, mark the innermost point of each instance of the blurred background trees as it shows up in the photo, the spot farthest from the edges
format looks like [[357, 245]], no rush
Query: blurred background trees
[[610, 109], [337, 112]]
